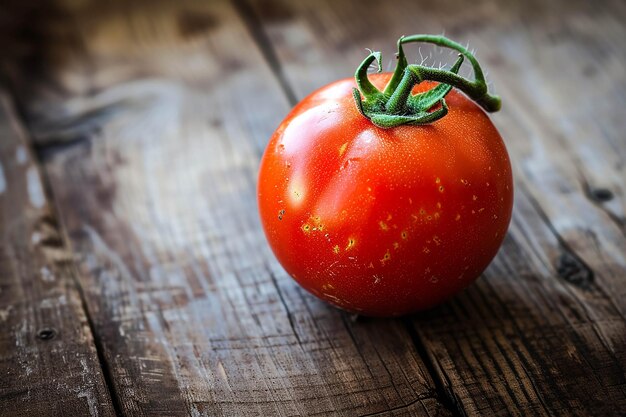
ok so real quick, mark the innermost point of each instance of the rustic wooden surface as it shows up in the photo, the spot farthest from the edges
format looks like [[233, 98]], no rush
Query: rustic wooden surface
[[48, 360], [149, 119]]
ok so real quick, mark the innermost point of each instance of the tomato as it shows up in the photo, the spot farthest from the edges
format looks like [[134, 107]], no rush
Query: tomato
[[384, 222]]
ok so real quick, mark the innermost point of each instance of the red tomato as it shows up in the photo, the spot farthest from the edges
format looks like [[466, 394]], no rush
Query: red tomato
[[384, 222]]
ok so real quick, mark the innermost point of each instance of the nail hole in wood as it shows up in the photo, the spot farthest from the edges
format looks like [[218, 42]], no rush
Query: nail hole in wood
[[601, 194], [46, 334]]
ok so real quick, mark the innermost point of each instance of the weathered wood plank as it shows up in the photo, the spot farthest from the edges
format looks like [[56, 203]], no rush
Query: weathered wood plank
[[543, 332], [48, 361], [195, 315]]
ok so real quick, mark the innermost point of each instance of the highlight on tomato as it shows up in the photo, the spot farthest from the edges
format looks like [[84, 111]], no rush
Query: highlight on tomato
[[389, 193]]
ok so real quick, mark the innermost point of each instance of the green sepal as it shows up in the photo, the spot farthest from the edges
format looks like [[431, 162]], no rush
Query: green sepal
[[396, 105]]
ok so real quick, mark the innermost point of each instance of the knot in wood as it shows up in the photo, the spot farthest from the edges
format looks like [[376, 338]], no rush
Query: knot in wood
[[572, 270], [46, 334]]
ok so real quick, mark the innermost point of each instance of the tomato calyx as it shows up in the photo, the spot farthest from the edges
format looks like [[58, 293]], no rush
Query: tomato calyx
[[396, 105]]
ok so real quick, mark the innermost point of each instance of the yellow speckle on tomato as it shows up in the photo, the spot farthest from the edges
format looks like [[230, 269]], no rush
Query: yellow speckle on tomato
[[306, 228], [351, 243], [404, 235], [386, 257], [383, 225], [342, 148], [336, 249], [317, 223]]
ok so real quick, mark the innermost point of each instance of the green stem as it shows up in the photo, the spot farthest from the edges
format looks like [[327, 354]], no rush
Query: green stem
[[448, 43], [475, 90], [396, 105], [429, 98]]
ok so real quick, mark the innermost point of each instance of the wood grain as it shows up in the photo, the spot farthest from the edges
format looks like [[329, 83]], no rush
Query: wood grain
[[543, 333], [48, 360], [157, 194], [151, 117]]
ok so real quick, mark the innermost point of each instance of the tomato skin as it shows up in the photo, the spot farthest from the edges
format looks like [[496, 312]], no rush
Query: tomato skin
[[384, 222]]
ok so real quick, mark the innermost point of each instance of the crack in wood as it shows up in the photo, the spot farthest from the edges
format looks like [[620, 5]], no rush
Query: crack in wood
[[255, 27], [400, 407], [443, 394], [285, 306]]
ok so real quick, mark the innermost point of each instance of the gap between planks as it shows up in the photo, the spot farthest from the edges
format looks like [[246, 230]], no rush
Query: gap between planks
[[36, 151]]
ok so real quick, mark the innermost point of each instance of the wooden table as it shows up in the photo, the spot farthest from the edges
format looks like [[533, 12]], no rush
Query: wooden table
[[135, 278]]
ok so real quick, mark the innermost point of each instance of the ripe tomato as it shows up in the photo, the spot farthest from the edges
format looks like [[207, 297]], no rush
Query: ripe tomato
[[384, 222]]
